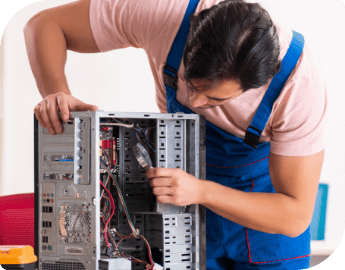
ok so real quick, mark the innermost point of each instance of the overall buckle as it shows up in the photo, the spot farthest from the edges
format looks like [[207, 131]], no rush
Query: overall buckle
[[170, 80], [252, 139]]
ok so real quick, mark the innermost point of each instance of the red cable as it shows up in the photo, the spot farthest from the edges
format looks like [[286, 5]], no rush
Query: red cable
[[112, 213]]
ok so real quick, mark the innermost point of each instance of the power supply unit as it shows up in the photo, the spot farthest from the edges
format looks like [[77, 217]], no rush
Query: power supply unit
[[94, 206]]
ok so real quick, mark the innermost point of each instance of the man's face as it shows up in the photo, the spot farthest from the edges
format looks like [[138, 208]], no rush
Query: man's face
[[218, 94]]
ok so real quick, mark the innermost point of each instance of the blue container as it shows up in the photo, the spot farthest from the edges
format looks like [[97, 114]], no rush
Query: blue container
[[318, 222]]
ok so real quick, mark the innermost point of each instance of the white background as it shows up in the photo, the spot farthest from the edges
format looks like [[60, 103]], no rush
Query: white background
[[122, 81]]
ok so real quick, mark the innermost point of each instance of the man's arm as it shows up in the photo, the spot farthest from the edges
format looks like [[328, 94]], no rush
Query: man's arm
[[48, 36], [288, 211]]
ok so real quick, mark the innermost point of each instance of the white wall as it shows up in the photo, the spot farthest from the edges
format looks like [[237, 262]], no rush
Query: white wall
[[121, 81], [1, 105], [117, 81]]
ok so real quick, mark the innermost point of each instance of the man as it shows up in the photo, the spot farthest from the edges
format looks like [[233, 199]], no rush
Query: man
[[265, 130]]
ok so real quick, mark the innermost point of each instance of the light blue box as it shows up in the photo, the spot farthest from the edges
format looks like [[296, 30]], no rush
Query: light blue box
[[318, 222]]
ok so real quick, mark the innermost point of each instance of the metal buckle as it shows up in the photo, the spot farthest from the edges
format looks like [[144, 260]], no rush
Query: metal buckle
[[170, 80]]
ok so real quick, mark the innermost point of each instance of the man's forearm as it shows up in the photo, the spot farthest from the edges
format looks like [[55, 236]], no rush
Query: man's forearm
[[47, 52], [267, 212]]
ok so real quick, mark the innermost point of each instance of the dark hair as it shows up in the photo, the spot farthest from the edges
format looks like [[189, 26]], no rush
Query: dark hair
[[232, 40]]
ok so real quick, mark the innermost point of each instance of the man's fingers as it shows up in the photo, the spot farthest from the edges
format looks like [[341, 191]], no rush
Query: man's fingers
[[81, 106], [161, 182], [47, 110], [45, 117], [93, 107], [159, 191], [38, 115], [62, 102], [165, 199], [53, 114], [159, 172]]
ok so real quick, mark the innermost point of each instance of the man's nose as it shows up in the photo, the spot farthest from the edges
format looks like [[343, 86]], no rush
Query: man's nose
[[197, 99]]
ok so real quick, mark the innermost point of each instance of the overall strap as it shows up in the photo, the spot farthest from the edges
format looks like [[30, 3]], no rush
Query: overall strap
[[262, 115], [176, 51]]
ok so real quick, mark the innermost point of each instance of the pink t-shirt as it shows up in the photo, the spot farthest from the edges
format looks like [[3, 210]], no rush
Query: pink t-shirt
[[297, 125]]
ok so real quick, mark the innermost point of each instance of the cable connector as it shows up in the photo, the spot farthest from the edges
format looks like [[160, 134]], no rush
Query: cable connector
[[157, 267], [113, 230], [137, 232]]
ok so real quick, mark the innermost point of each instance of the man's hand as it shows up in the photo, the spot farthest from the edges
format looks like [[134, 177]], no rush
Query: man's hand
[[48, 35], [175, 186], [47, 110]]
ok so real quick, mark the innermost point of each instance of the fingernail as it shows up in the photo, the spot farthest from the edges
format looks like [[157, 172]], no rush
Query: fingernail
[[58, 129], [66, 117], [51, 131]]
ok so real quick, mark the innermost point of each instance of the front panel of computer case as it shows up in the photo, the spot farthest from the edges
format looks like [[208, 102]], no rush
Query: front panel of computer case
[[94, 207]]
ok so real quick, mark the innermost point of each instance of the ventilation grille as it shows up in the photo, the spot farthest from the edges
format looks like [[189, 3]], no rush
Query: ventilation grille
[[171, 132], [75, 223], [63, 266]]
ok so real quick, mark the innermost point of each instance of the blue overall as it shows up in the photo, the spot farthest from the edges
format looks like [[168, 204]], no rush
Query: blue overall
[[241, 164]]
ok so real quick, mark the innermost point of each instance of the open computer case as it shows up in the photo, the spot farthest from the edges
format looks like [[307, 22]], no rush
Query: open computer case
[[94, 207]]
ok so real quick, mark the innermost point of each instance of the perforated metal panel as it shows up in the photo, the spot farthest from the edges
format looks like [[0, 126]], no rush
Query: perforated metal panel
[[74, 223], [178, 241], [62, 266]]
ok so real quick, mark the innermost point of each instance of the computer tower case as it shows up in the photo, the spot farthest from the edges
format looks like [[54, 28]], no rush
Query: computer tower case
[[94, 207]]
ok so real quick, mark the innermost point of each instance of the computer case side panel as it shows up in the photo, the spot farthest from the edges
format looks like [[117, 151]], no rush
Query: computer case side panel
[[36, 190]]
